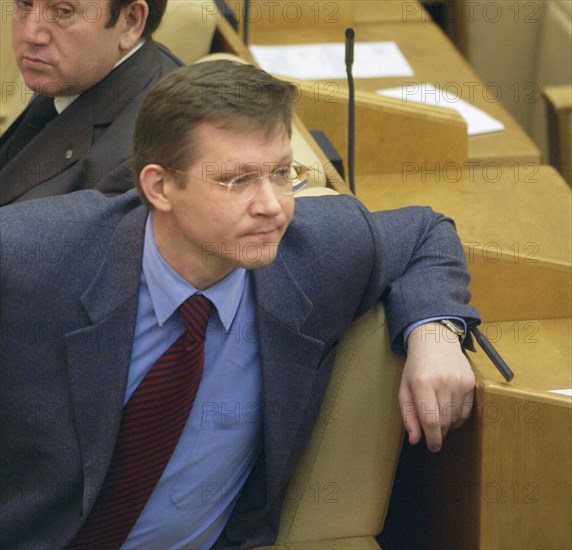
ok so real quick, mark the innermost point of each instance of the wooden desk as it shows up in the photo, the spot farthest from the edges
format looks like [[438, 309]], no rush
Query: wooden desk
[[523, 487], [503, 480], [434, 60], [515, 227], [389, 11], [391, 135]]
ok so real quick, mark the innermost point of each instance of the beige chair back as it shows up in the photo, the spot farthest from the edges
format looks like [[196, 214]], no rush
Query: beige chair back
[[342, 486], [339, 495], [15, 94], [187, 28]]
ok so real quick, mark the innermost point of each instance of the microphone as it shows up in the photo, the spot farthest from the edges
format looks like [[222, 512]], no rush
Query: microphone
[[351, 107], [492, 354], [349, 48], [246, 22]]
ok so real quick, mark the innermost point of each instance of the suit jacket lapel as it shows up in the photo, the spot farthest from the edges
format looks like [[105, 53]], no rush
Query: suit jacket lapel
[[99, 354], [288, 358], [55, 149]]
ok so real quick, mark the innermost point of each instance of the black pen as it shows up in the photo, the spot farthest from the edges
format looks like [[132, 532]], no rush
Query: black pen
[[493, 354]]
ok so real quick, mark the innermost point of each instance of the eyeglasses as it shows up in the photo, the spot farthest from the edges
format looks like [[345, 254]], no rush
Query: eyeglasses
[[287, 179]]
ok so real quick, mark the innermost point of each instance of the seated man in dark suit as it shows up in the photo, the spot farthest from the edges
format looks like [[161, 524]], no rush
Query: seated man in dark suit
[[98, 60], [161, 362]]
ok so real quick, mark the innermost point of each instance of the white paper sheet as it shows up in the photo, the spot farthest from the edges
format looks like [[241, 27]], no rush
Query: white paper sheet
[[562, 392], [478, 122], [322, 61]]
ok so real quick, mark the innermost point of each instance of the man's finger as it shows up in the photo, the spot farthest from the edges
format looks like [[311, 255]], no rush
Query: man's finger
[[409, 415], [464, 409], [430, 418]]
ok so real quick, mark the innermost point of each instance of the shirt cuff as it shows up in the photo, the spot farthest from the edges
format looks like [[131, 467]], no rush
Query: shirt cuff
[[409, 329]]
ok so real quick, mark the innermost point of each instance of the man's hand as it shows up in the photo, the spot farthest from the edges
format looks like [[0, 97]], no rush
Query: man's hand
[[437, 385]]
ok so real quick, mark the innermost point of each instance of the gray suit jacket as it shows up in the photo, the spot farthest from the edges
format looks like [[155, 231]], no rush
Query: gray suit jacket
[[70, 277], [88, 145]]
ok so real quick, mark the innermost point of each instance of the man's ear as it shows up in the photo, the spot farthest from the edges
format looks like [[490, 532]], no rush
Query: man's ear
[[155, 181], [132, 20]]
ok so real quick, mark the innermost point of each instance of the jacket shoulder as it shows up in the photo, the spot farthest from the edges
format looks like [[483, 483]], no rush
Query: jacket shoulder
[[168, 58], [73, 217]]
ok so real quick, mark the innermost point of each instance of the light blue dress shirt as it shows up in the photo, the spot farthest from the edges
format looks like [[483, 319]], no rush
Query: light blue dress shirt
[[223, 436]]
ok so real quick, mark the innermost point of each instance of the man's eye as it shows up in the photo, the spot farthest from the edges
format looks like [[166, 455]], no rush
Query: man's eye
[[64, 12], [24, 5], [61, 11], [244, 180], [282, 173]]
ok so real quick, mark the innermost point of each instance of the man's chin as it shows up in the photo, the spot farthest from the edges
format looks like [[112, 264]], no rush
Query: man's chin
[[43, 86], [258, 264], [253, 255]]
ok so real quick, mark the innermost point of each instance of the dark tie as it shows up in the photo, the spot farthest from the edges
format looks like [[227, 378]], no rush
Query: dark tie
[[151, 425], [41, 112]]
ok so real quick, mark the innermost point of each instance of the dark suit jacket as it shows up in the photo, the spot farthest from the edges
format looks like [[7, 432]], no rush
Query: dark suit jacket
[[89, 144], [70, 277]]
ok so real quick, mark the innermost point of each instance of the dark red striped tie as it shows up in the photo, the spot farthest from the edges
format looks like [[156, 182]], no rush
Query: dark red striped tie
[[151, 425]]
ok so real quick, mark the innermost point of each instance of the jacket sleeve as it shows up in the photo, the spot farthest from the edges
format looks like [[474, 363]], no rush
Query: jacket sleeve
[[420, 268]]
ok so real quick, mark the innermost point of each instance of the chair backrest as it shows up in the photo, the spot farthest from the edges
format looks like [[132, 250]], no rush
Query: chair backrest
[[187, 28], [15, 94], [342, 485]]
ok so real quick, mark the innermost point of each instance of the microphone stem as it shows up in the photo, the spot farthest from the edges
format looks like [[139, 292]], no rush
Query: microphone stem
[[350, 35], [351, 132], [246, 22]]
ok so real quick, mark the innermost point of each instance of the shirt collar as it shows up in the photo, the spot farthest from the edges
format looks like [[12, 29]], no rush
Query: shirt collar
[[168, 290], [62, 102]]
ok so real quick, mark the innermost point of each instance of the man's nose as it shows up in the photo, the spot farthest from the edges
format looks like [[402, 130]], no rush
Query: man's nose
[[267, 198], [35, 26]]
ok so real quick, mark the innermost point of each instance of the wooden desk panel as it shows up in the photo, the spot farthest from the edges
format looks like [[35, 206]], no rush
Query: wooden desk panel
[[434, 60], [392, 134], [525, 469], [559, 118], [525, 447], [515, 227]]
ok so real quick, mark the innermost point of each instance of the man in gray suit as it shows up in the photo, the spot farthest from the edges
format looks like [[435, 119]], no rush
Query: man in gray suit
[[98, 60], [91, 288]]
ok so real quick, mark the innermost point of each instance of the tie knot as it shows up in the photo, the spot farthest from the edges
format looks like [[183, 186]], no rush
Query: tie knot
[[195, 312]]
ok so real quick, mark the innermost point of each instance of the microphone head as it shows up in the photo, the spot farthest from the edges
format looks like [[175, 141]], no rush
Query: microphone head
[[349, 47]]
